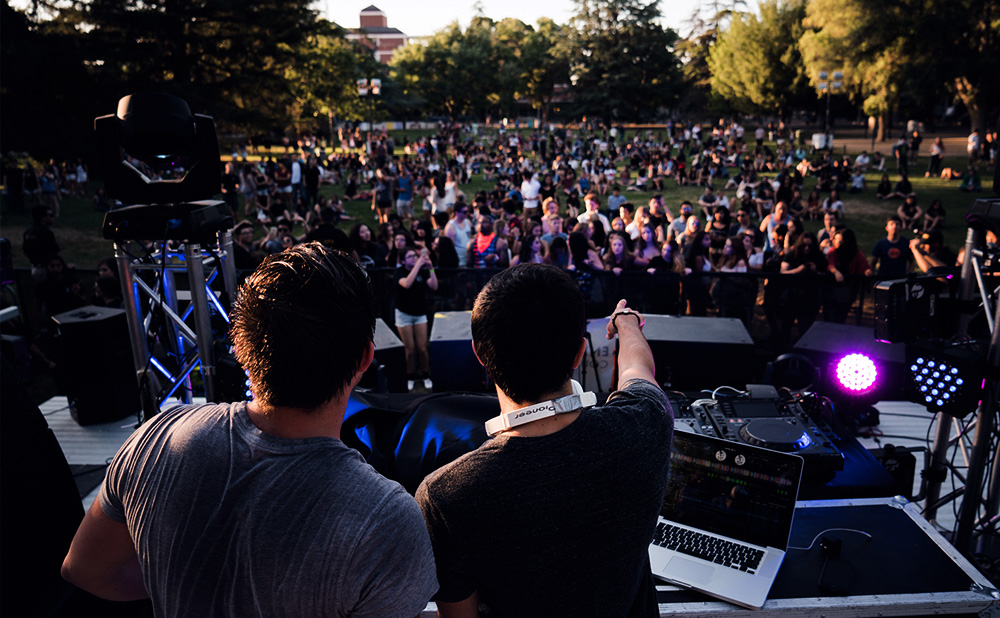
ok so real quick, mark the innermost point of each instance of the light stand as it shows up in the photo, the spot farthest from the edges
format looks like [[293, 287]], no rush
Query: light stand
[[984, 214], [956, 371], [370, 88], [157, 132], [829, 87]]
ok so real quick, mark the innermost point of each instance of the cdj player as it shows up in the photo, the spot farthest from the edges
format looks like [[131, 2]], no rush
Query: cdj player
[[768, 422]]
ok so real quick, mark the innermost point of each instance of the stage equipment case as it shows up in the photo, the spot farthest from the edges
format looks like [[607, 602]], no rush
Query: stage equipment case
[[906, 568]]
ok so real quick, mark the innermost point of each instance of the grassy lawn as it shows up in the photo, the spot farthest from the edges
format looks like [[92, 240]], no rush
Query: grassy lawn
[[78, 229]]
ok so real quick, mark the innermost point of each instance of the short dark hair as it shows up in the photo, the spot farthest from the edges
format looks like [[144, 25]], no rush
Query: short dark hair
[[301, 325], [530, 302]]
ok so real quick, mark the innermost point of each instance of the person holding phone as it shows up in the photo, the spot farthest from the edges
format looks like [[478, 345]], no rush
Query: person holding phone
[[414, 278]]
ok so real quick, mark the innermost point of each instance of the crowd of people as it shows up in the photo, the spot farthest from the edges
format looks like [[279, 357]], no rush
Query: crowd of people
[[561, 198], [558, 197]]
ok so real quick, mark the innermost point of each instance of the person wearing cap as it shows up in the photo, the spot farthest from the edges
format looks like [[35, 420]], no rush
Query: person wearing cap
[[533, 523], [929, 251]]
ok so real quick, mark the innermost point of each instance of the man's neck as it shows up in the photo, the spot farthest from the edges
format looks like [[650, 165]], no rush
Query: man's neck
[[296, 423], [541, 427]]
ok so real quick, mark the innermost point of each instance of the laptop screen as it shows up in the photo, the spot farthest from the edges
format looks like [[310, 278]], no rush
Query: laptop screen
[[732, 489]]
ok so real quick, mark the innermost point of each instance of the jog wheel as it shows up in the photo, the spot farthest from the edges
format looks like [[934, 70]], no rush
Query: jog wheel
[[775, 434]]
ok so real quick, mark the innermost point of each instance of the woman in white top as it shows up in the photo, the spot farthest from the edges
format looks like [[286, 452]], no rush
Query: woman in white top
[[450, 191], [834, 204]]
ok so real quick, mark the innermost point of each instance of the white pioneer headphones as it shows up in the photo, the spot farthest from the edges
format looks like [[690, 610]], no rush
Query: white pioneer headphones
[[545, 409]]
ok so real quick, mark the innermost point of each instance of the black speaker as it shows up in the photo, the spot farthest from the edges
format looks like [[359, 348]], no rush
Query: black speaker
[[454, 366], [15, 349], [388, 370], [693, 353], [95, 369]]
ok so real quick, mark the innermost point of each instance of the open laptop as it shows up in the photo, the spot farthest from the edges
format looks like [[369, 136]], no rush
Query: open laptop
[[726, 517]]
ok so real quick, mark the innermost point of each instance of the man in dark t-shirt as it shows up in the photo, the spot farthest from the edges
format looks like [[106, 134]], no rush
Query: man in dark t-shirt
[[328, 233], [891, 255], [553, 516]]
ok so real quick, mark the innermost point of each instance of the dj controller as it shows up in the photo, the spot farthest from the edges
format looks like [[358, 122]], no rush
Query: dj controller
[[763, 418]]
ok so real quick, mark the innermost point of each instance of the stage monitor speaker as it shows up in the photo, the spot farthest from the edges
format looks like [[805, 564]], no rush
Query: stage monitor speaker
[[454, 366], [825, 344], [693, 353], [15, 349], [388, 370], [95, 369]]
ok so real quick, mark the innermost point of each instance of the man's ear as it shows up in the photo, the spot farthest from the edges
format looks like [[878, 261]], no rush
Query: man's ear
[[367, 358], [580, 352], [473, 344]]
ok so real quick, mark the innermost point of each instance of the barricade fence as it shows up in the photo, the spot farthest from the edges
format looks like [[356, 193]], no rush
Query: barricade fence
[[762, 301]]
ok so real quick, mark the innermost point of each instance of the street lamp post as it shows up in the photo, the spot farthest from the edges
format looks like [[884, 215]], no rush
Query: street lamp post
[[829, 87], [370, 88]]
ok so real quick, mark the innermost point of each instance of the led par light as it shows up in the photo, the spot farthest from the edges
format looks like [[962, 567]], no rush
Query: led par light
[[946, 378], [856, 373]]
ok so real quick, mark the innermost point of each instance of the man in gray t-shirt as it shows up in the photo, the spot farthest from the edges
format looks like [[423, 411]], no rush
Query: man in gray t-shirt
[[258, 509]]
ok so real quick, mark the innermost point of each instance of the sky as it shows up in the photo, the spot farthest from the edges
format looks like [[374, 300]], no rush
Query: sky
[[423, 18]]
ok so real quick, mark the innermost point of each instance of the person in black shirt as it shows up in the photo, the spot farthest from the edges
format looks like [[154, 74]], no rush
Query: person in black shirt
[[245, 256], [329, 234], [231, 188], [39, 241], [414, 278], [553, 516]]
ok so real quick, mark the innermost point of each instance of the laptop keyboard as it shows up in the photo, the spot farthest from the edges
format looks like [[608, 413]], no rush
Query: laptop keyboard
[[713, 549]]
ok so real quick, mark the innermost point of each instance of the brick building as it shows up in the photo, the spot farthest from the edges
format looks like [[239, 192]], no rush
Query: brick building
[[376, 33]]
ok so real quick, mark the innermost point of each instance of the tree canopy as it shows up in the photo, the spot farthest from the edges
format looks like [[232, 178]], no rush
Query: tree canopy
[[270, 66], [625, 66], [755, 64]]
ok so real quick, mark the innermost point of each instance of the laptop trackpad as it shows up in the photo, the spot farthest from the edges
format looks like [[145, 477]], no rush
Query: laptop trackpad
[[688, 571]]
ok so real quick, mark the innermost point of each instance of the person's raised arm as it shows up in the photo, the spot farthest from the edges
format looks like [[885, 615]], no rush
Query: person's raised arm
[[635, 359]]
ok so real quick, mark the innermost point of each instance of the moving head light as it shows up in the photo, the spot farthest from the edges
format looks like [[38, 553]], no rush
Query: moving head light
[[159, 131]]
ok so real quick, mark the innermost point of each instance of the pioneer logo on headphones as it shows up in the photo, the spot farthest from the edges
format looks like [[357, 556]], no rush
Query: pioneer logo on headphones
[[549, 407]]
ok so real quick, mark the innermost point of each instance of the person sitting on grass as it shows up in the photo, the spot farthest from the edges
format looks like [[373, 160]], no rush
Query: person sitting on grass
[[910, 213], [970, 181]]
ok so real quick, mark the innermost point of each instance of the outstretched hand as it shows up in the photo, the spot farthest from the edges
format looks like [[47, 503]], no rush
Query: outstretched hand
[[623, 309]]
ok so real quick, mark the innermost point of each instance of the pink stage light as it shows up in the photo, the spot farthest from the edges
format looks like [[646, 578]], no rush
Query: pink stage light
[[856, 373]]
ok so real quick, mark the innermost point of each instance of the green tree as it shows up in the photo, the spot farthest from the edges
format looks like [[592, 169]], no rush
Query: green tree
[[427, 72], [624, 62], [859, 39], [451, 72], [908, 47], [323, 79], [756, 65], [545, 63], [704, 25]]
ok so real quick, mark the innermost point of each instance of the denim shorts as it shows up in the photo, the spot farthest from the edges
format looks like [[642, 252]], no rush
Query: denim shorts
[[405, 319]]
